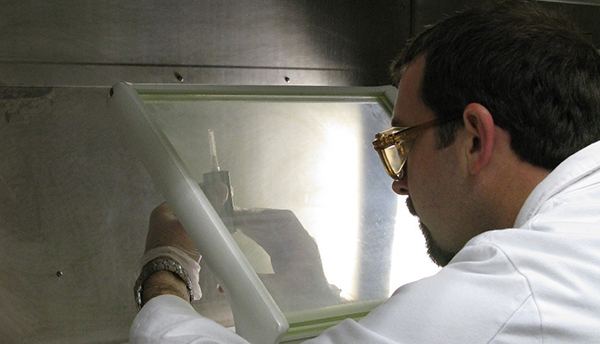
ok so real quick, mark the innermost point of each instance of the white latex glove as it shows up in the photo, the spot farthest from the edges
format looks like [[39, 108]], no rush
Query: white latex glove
[[167, 238]]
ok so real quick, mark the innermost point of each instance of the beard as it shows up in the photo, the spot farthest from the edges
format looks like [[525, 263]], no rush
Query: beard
[[437, 254]]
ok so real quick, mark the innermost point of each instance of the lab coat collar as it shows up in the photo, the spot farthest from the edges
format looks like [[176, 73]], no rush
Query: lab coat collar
[[576, 167]]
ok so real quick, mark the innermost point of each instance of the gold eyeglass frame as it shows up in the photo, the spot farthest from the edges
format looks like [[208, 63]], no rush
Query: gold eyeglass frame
[[402, 138]]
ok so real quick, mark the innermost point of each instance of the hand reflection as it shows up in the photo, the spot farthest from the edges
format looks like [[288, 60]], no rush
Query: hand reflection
[[298, 281]]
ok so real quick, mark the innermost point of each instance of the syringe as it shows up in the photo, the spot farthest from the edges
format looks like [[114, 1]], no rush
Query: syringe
[[216, 177], [213, 151]]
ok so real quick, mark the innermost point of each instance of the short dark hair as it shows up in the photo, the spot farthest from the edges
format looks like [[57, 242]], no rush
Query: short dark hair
[[532, 69]]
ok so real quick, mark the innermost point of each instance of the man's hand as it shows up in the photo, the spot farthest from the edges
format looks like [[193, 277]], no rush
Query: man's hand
[[164, 231], [298, 280]]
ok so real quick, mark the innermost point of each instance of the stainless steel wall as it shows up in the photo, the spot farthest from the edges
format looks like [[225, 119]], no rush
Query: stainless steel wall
[[74, 202]]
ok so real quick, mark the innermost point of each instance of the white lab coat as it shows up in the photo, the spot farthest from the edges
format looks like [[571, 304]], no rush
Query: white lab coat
[[538, 282]]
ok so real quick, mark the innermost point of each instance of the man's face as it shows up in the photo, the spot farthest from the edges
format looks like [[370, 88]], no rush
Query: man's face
[[430, 176]]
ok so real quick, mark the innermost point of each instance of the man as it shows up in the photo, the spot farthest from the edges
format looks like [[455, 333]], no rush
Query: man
[[502, 165]]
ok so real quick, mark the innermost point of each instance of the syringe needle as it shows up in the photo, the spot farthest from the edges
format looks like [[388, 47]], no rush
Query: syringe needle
[[213, 151]]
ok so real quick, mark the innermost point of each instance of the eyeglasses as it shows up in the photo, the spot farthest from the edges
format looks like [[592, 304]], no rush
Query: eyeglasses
[[393, 145]]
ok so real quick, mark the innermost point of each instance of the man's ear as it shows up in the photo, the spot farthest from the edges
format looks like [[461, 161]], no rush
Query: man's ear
[[480, 140]]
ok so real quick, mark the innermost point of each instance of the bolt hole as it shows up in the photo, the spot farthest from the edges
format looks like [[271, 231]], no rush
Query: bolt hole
[[287, 79], [178, 76], [111, 92]]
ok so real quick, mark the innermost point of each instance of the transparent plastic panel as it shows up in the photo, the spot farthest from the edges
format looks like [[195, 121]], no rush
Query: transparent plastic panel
[[313, 211]]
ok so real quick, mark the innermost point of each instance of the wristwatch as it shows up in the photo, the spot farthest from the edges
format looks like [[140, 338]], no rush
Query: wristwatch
[[161, 264]]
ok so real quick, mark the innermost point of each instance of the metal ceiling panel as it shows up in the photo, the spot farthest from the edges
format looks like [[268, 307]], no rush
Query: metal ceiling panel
[[230, 34]]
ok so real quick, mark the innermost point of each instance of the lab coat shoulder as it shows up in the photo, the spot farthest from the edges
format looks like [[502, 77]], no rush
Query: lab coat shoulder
[[472, 300]]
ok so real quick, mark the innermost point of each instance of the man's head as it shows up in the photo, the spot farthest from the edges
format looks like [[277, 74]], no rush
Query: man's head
[[534, 71], [525, 86]]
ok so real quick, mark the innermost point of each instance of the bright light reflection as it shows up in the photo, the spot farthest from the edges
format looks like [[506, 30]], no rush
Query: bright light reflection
[[337, 206], [410, 261]]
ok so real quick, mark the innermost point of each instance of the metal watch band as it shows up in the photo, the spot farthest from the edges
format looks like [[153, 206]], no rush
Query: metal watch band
[[161, 264]]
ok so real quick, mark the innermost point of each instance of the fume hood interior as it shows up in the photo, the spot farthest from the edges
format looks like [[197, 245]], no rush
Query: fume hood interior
[[315, 218], [75, 200]]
